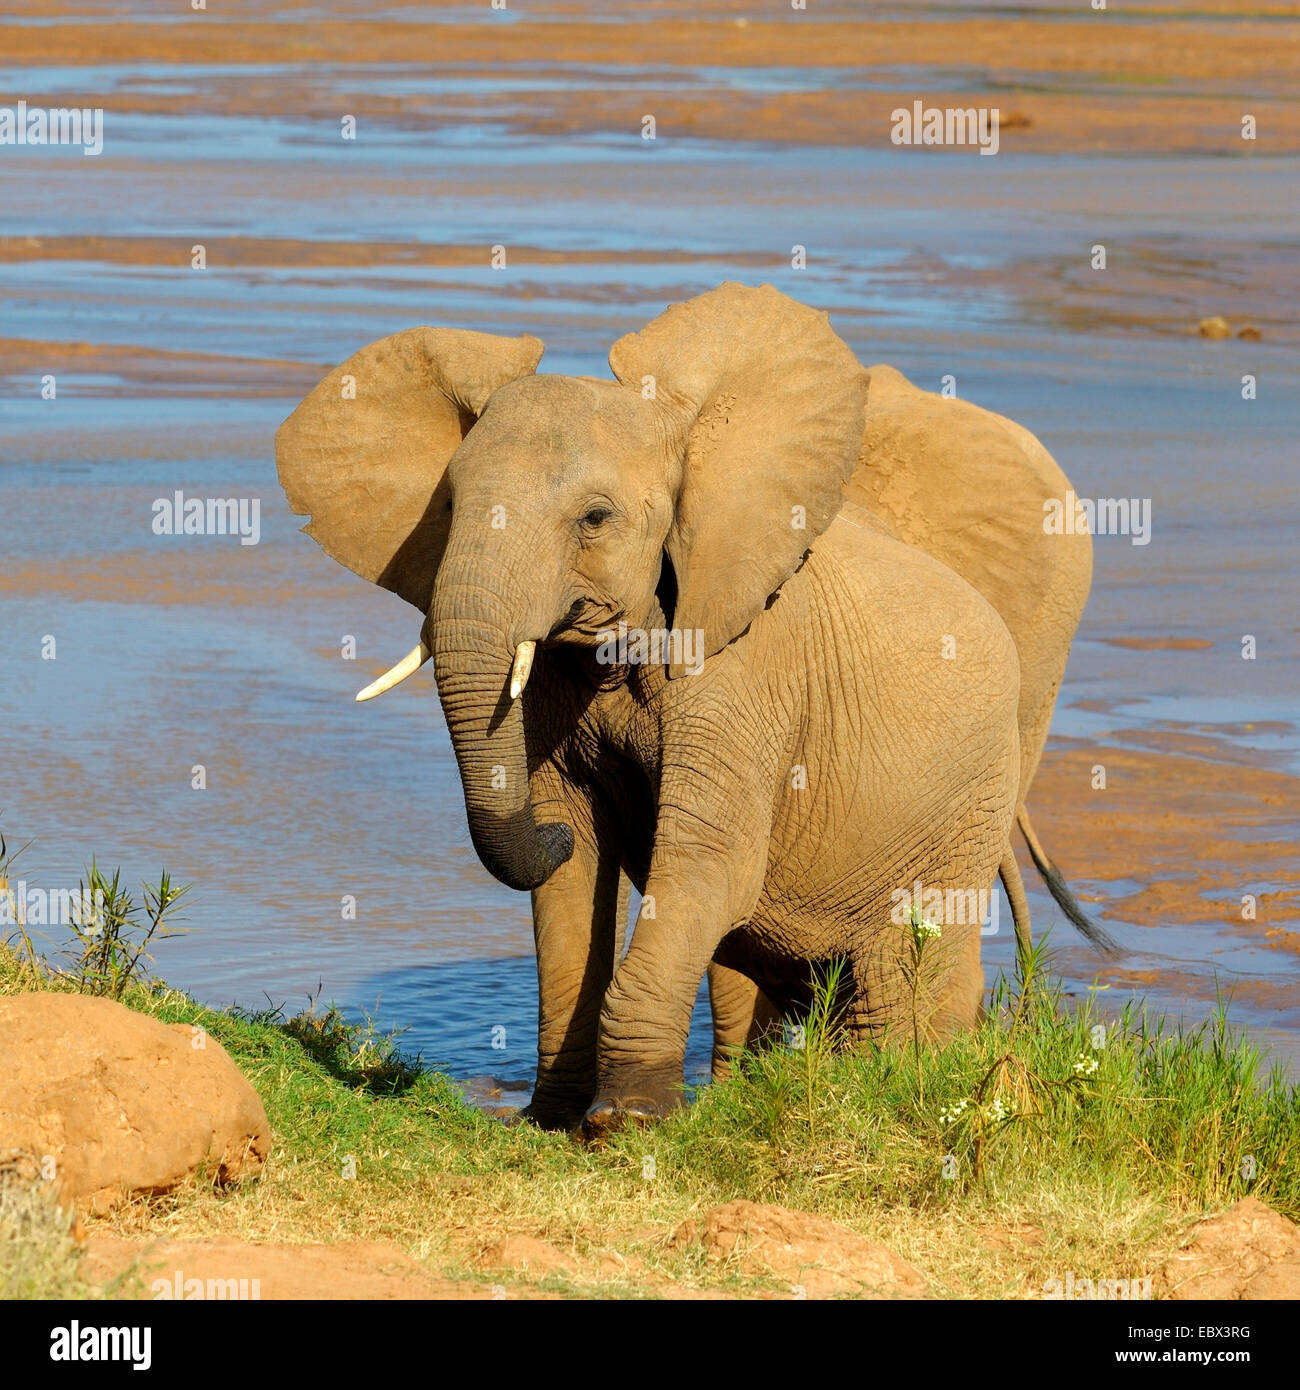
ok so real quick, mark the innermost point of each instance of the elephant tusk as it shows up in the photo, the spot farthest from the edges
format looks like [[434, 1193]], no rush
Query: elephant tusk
[[408, 666], [520, 670]]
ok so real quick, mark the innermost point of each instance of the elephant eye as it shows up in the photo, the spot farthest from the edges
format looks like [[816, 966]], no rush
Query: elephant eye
[[596, 516]]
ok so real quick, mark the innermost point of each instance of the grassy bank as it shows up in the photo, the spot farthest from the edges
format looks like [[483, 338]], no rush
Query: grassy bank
[[1043, 1142]]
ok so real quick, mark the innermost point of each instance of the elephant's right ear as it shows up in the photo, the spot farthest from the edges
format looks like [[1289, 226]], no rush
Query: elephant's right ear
[[365, 454]]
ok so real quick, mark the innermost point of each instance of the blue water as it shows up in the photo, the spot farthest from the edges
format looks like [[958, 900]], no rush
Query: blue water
[[173, 653]]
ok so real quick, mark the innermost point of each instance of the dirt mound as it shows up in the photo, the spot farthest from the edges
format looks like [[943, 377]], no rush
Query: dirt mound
[[812, 1254], [236, 1269], [105, 1103], [528, 1255], [1247, 1252]]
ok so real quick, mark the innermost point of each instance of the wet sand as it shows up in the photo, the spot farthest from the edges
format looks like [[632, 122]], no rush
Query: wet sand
[[1186, 817], [1150, 80]]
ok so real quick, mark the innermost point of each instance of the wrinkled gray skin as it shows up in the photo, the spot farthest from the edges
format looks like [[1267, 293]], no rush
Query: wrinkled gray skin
[[853, 730]]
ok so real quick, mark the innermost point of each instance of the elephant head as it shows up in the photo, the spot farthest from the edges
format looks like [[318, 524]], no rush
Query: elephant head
[[514, 509]]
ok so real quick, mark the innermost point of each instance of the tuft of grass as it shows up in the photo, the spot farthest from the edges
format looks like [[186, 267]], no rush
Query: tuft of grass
[[356, 1054], [109, 932], [110, 947]]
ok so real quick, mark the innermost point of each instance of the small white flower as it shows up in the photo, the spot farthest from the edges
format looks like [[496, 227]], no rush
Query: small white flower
[[951, 1116], [1085, 1065], [996, 1110], [922, 927]]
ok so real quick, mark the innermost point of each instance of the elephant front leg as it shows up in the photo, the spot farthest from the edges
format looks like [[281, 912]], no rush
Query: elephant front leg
[[647, 1012], [706, 874], [691, 901], [577, 930]]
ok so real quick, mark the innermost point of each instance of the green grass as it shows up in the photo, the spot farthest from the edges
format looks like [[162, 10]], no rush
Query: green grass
[[1074, 1148], [1186, 1117]]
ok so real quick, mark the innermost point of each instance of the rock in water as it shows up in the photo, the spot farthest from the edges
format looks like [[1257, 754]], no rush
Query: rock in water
[[1214, 327], [107, 1104]]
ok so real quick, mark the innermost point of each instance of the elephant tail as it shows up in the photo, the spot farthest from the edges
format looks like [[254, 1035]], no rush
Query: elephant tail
[[1009, 872], [1095, 936]]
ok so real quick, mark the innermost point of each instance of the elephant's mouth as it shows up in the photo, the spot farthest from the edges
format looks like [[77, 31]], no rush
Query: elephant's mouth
[[587, 622]]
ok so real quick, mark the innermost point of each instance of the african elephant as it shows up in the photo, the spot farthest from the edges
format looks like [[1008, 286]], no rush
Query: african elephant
[[665, 646]]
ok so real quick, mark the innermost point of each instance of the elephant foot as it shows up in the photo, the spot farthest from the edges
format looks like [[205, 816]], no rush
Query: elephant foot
[[641, 1105]]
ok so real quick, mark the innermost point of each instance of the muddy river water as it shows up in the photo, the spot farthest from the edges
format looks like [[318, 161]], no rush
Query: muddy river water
[[524, 129]]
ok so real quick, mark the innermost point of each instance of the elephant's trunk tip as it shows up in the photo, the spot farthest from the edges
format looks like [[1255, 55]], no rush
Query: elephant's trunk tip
[[554, 846]]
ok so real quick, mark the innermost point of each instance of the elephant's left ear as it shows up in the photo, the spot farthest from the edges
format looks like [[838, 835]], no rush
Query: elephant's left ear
[[769, 403], [365, 454]]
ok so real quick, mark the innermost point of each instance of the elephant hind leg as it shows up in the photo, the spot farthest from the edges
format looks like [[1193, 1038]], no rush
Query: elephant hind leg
[[891, 996], [742, 1015]]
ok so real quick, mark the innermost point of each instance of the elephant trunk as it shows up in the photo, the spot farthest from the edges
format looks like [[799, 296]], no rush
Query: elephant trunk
[[472, 628]]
